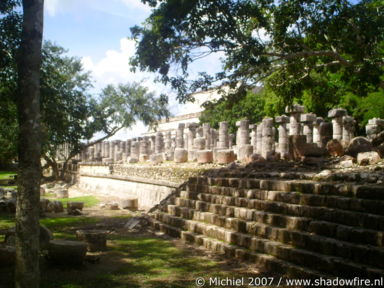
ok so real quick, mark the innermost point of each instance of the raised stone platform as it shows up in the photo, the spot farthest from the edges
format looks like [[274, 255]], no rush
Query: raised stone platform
[[283, 221]]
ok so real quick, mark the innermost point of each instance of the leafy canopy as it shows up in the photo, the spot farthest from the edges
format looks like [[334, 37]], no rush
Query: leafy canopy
[[285, 44]]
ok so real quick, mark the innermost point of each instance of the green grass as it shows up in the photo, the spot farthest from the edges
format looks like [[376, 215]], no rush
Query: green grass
[[7, 174], [89, 201]]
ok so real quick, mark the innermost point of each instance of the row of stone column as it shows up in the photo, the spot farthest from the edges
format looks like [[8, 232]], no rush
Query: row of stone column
[[191, 142]]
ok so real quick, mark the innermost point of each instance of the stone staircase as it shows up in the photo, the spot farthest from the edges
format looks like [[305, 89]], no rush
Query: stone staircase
[[300, 228]]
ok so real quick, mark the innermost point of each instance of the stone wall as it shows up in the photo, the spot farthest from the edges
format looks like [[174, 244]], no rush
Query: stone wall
[[149, 184]]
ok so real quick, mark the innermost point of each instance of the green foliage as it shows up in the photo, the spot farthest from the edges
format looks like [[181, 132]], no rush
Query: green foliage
[[254, 106], [313, 52]]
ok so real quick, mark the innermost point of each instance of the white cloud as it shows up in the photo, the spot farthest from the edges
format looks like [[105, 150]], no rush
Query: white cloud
[[114, 69], [120, 8]]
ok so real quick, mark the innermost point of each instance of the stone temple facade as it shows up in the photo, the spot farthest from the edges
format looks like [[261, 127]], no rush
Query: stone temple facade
[[292, 136]]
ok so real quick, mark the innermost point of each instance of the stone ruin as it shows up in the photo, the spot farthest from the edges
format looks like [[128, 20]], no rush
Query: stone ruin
[[295, 136]]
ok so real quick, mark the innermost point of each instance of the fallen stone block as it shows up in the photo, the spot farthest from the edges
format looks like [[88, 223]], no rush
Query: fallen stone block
[[65, 252], [368, 158], [358, 145], [96, 240], [335, 148]]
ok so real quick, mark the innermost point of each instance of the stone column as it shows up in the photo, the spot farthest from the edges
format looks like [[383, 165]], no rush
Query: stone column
[[337, 122], [152, 143], [244, 149], [158, 155], [207, 135], [259, 137], [348, 129], [283, 141], [294, 120], [159, 143], [223, 136], [181, 154], [374, 127], [106, 149], [135, 151], [308, 120], [316, 131], [253, 128], [128, 147], [191, 135], [267, 137], [231, 140], [111, 152], [144, 149]]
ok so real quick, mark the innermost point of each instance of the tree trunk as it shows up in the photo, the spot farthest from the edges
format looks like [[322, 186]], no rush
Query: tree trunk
[[27, 272]]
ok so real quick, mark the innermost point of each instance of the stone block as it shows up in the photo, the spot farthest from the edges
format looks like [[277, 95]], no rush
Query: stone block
[[358, 145], [337, 112], [96, 240], [244, 152], [368, 158], [66, 252], [282, 119], [309, 117], [225, 156], [180, 155], [295, 108], [131, 204], [204, 156], [335, 148]]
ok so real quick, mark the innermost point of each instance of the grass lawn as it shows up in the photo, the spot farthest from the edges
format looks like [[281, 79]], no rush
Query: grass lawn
[[133, 259], [89, 201], [7, 174]]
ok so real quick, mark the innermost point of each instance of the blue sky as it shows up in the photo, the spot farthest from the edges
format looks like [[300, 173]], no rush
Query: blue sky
[[97, 31]]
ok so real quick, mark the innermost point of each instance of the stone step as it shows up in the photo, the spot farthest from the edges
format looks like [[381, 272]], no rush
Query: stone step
[[354, 219], [319, 244], [262, 261], [321, 228], [337, 202], [369, 191], [284, 252]]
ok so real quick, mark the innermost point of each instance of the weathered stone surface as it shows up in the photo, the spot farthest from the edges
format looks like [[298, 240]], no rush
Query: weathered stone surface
[[378, 139], [368, 158], [244, 152], [298, 148], [180, 155], [335, 148], [73, 208], [66, 252], [131, 204], [96, 240], [337, 112], [204, 156], [358, 145], [225, 156]]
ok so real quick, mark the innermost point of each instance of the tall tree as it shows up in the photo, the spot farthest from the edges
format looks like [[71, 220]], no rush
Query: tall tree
[[28, 107], [285, 44]]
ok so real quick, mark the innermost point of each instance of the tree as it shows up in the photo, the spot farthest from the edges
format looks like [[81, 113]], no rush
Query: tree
[[289, 46], [116, 108], [28, 109], [70, 115]]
